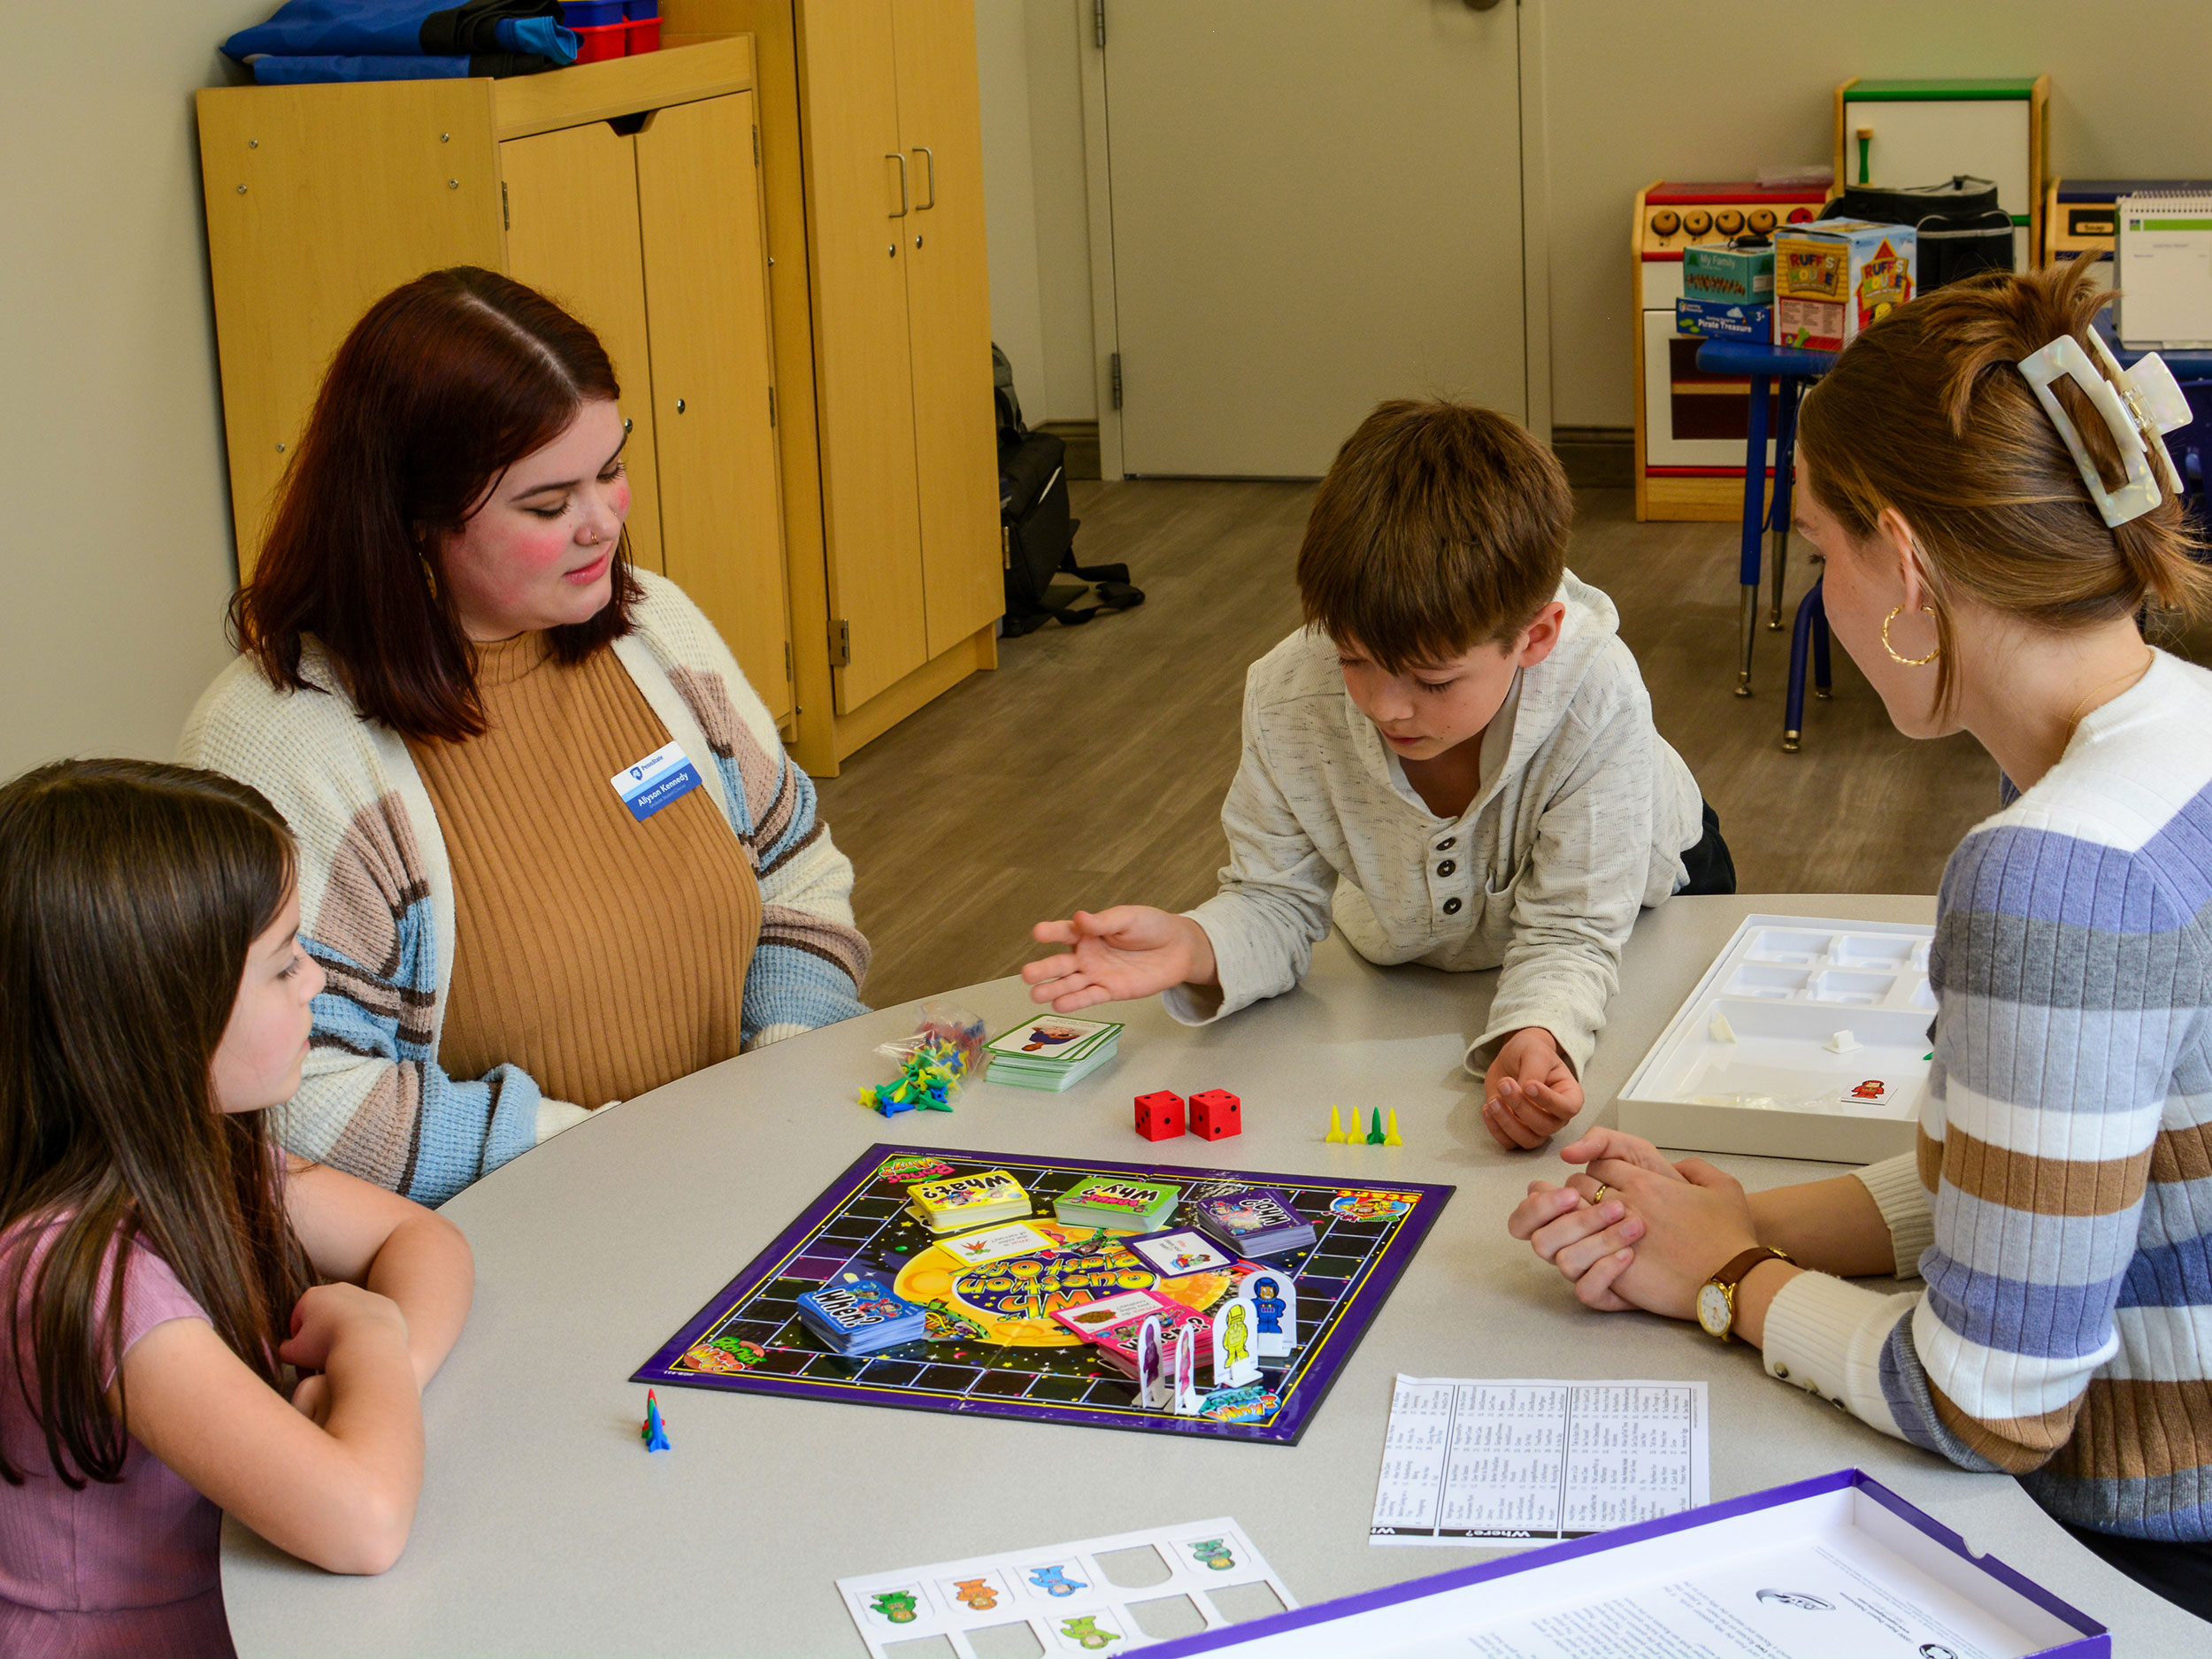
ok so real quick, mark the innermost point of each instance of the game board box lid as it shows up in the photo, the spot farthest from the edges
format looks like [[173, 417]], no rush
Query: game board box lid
[[1840, 1548]]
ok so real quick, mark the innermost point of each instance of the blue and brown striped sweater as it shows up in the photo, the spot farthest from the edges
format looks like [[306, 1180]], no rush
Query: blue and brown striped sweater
[[2060, 1209]]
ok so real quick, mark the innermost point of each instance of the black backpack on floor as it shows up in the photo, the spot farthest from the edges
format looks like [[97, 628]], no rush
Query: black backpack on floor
[[1036, 533]]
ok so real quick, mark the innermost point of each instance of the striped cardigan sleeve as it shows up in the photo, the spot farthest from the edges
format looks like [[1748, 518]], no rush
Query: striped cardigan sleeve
[[808, 967], [373, 1100], [2070, 978]]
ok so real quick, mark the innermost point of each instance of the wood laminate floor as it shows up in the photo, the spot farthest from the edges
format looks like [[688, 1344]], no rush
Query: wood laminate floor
[[1089, 769]]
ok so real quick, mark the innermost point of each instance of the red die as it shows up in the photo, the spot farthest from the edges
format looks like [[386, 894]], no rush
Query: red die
[[1215, 1114], [1160, 1116]]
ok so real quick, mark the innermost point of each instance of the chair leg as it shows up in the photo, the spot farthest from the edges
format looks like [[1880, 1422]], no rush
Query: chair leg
[[1755, 505], [1801, 638], [1823, 687], [1788, 389]]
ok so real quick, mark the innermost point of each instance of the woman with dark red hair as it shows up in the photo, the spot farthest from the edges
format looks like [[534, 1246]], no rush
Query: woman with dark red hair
[[552, 854]]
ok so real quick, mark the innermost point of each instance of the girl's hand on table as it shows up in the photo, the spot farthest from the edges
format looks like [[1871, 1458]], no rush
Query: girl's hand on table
[[1530, 1093]]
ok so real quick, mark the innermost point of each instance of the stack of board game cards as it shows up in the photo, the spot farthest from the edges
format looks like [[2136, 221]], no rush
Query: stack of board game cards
[[1119, 1201], [855, 1316], [1110, 1324], [959, 1202], [1253, 1221], [1052, 1052]]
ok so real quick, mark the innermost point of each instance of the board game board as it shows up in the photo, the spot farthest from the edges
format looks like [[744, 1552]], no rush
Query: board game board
[[993, 1348]]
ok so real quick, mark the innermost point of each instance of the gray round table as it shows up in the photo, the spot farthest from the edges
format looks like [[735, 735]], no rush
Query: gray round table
[[546, 1529]]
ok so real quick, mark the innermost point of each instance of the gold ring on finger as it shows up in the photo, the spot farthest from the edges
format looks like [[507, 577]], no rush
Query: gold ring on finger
[[1598, 1197]]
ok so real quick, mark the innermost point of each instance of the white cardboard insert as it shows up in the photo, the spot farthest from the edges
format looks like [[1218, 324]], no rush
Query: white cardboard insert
[[1806, 1038]]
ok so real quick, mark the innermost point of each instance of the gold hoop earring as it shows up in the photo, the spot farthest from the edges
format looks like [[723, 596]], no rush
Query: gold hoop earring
[[1909, 662]]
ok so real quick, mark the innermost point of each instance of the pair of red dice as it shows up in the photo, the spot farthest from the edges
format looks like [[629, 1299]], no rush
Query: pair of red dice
[[1214, 1115]]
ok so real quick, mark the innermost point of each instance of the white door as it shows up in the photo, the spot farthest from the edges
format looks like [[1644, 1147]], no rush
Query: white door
[[1316, 205]]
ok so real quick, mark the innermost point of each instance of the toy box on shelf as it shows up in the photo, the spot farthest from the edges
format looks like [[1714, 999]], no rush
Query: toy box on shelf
[[1916, 132], [2080, 217], [1690, 425], [1806, 1038], [1874, 1574]]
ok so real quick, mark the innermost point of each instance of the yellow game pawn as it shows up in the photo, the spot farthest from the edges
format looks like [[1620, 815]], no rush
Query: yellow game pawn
[[1336, 1128], [1390, 1135]]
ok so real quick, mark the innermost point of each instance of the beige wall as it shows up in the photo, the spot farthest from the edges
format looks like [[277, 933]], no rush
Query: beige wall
[[1689, 88], [1009, 192], [118, 513]]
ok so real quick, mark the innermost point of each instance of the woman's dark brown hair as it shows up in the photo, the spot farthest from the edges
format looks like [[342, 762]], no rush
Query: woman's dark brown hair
[[1927, 412], [130, 894], [1440, 526], [441, 387]]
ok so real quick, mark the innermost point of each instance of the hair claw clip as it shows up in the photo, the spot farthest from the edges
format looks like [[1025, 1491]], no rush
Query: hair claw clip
[[2145, 404]]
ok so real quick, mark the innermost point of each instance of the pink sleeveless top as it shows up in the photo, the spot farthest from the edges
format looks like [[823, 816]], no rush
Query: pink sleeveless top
[[127, 1567]]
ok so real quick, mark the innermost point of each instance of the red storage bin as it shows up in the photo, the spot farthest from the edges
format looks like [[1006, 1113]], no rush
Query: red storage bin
[[645, 35], [596, 45]]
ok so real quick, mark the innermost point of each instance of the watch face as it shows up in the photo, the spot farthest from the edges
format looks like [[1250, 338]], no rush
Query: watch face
[[1713, 1311]]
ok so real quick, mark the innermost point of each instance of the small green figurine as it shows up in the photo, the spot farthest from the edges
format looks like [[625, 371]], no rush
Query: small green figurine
[[896, 1605], [1213, 1553], [1085, 1632], [1375, 1136]]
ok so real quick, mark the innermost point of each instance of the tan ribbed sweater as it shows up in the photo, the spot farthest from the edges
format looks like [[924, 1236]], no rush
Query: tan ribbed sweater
[[603, 956]]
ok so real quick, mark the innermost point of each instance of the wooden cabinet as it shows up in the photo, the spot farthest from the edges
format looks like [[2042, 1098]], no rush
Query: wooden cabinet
[[872, 164], [628, 190]]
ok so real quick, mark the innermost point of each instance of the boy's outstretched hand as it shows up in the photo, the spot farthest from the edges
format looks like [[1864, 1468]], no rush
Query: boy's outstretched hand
[[1129, 951], [1530, 1091]]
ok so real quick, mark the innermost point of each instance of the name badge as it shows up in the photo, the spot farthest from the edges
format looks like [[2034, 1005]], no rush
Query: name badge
[[664, 775]]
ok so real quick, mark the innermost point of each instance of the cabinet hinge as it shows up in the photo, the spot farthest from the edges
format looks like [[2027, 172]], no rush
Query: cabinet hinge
[[840, 643], [757, 146], [1113, 365], [1098, 22], [787, 660], [1006, 547], [506, 221], [772, 406]]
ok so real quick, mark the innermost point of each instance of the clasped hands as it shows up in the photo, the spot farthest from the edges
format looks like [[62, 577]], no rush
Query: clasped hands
[[1632, 1230], [1530, 1093]]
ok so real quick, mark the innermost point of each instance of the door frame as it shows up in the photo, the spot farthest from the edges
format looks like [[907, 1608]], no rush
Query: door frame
[[1535, 163]]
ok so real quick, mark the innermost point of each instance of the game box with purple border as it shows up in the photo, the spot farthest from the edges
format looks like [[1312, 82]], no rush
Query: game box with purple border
[[1450, 1612], [747, 1338]]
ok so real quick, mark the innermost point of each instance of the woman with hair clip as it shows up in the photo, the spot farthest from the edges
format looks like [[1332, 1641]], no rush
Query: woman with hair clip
[[1996, 509], [552, 852]]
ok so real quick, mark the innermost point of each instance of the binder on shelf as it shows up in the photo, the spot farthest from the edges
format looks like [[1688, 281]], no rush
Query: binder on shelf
[[2164, 268]]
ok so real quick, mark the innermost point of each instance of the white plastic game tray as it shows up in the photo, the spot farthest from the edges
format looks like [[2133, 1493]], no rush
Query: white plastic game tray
[[1806, 1038]]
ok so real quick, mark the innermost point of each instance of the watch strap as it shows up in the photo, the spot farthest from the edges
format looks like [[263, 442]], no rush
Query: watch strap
[[1731, 1275]]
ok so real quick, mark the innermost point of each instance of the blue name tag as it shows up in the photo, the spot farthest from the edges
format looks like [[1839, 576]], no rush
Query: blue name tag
[[664, 775]]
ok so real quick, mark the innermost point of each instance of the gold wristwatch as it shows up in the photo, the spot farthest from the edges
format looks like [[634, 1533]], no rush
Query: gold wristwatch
[[1716, 1297]]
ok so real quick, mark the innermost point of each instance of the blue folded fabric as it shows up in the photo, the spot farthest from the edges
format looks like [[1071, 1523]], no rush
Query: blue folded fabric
[[269, 70], [374, 31]]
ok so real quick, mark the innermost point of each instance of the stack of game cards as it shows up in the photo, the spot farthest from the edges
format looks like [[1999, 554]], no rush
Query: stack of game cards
[[1254, 1221], [1051, 1053], [855, 1316], [960, 1201], [1110, 1324], [1119, 1201]]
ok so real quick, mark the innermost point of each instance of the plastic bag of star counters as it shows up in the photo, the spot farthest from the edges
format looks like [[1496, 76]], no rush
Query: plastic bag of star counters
[[942, 1025]]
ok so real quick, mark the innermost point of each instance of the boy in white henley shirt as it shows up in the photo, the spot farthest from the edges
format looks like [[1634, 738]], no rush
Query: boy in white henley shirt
[[1454, 761]]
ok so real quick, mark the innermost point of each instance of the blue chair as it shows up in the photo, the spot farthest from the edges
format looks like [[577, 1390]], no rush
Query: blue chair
[[1788, 371]]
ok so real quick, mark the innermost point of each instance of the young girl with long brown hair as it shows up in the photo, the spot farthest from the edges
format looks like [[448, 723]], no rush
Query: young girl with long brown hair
[[165, 1269]]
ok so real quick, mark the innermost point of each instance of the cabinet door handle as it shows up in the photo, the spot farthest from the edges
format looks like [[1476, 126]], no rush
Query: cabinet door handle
[[922, 150], [899, 156]]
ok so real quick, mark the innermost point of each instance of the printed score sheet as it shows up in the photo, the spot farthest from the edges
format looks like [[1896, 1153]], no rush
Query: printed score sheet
[[1508, 1464]]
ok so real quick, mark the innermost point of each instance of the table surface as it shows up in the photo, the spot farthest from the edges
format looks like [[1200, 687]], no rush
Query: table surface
[[545, 1528]]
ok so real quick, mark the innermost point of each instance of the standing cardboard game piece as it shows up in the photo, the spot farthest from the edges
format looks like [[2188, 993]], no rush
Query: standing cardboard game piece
[[1275, 1307], [1152, 1390], [1236, 1328], [1185, 1383]]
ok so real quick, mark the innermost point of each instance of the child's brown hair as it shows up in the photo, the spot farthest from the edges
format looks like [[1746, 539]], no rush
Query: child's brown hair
[[1927, 412], [1440, 526]]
